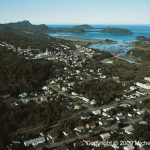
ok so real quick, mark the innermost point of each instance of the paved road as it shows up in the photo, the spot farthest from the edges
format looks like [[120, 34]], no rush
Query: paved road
[[86, 135], [89, 109], [125, 59]]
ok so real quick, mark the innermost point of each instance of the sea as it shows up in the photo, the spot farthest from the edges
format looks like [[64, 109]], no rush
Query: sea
[[120, 47]]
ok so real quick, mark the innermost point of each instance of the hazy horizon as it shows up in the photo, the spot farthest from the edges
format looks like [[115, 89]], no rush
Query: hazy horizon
[[54, 12]]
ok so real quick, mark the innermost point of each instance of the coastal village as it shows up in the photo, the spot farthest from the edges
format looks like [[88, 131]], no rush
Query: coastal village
[[91, 123]]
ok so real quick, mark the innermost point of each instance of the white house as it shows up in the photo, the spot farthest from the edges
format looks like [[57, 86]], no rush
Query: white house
[[143, 86], [143, 122], [140, 112], [77, 107], [107, 109], [93, 102], [128, 129], [85, 99], [34, 141], [147, 79], [79, 129], [23, 95], [45, 88], [105, 136], [96, 112], [74, 94]]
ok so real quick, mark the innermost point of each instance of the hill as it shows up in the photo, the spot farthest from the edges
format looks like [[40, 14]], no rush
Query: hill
[[116, 31], [18, 74], [26, 26], [74, 29], [71, 30]]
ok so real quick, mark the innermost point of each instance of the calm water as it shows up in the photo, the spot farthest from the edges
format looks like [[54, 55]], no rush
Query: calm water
[[120, 48]]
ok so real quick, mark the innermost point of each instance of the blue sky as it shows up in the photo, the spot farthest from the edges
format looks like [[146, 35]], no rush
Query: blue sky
[[76, 11]]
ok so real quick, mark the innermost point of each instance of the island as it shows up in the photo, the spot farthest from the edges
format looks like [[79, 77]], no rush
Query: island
[[26, 26], [71, 30], [116, 31], [74, 29], [84, 26]]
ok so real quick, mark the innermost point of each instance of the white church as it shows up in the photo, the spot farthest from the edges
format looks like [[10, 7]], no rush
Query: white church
[[43, 55]]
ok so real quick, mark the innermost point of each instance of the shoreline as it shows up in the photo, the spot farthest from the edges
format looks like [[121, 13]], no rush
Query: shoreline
[[86, 42]]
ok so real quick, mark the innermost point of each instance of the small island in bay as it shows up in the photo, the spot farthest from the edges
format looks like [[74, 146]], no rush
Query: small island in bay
[[116, 31], [84, 26]]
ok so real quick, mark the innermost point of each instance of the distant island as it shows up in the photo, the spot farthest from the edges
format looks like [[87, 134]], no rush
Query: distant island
[[71, 30], [26, 26], [84, 26], [74, 29], [116, 31]]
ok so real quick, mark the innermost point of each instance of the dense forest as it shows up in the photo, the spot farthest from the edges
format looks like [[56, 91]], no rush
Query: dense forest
[[19, 75], [105, 91], [24, 116]]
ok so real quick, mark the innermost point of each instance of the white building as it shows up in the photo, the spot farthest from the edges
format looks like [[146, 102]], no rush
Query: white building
[[143, 86], [107, 109], [96, 112], [34, 141], [105, 136], [128, 129], [147, 79]]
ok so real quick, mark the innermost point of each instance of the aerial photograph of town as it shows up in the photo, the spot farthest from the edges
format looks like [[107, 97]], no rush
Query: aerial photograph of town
[[74, 74]]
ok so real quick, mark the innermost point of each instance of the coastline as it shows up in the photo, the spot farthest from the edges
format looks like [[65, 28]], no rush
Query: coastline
[[86, 42]]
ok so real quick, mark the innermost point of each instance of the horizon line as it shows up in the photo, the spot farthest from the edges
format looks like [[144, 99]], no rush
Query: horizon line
[[91, 24], [147, 24]]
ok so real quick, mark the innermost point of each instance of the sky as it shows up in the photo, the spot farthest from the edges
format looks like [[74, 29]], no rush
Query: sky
[[76, 11]]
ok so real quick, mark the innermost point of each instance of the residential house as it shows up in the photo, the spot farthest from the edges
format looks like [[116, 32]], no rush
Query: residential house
[[143, 86], [119, 116], [140, 112], [128, 129], [79, 129], [105, 136], [96, 112], [107, 109], [35, 141]]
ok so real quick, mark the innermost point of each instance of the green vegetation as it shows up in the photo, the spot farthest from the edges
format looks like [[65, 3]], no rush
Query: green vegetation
[[18, 74], [86, 42], [101, 91], [27, 27], [141, 49], [24, 116], [23, 39], [116, 31], [139, 130], [74, 29]]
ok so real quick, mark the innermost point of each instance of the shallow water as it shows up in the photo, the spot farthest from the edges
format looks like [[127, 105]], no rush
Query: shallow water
[[120, 48]]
